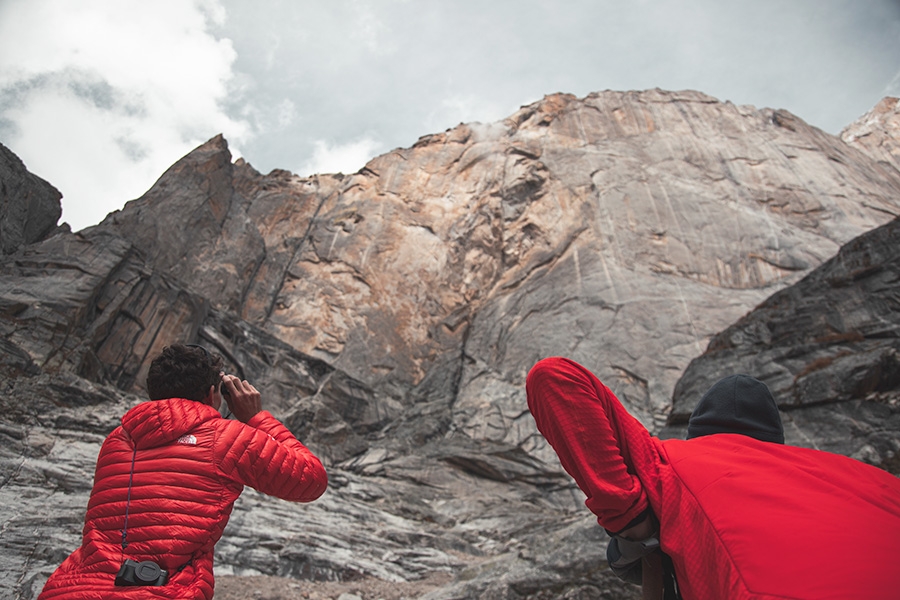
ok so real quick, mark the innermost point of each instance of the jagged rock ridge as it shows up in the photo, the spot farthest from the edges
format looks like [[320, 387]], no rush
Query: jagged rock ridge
[[390, 316], [29, 206]]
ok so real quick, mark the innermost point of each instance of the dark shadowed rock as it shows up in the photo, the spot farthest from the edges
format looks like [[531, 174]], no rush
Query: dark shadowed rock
[[29, 206], [829, 349]]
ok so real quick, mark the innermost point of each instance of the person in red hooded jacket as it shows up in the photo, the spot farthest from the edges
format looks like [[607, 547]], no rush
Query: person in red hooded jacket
[[166, 481], [740, 517], [738, 404]]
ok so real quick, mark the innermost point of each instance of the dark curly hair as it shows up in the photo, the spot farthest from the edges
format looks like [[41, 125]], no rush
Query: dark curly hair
[[183, 371]]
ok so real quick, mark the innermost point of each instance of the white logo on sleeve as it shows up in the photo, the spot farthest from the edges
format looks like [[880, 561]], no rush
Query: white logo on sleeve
[[187, 439]]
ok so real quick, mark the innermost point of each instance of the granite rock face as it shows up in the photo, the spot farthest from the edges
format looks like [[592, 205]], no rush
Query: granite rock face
[[654, 214], [29, 206], [390, 316]]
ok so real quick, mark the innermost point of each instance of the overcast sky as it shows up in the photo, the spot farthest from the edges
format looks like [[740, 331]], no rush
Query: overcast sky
[[99, 97]]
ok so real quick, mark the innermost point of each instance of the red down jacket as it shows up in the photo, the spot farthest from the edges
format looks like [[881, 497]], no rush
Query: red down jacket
[[190, 465], [740, 518]]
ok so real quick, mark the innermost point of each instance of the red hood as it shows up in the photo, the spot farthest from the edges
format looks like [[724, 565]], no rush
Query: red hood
[[159, 422]]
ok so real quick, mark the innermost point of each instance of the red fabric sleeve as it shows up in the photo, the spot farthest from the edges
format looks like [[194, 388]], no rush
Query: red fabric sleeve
[[598, 443], [265, 455]]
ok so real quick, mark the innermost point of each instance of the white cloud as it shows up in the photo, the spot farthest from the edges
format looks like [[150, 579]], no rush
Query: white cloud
[[286, 113], [100, 101], [369, 31], [893, 86], [489, 132], [342, 158], [465, 108]]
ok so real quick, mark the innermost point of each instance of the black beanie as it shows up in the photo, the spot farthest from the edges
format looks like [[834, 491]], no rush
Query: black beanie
[[738, 404]]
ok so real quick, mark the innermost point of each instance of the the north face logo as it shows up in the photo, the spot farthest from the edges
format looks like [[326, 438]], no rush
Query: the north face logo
[[187, 439]]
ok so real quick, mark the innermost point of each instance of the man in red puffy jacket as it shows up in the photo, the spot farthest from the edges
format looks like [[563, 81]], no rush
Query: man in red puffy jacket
[[741, 518], [167, 479]]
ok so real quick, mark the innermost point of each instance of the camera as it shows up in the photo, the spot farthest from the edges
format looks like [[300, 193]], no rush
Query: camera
[[145, 572]]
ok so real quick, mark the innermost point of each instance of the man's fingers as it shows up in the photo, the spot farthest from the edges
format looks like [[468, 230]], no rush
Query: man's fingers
[[244, 400], [236, 385], [228, 386]]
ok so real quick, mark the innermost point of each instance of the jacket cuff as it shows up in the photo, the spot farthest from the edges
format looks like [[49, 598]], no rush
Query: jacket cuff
[[644, 514], [259, 418]]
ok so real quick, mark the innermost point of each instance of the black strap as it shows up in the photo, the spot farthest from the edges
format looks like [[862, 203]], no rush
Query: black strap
[[128, 506], [128, 502], [670, 584]]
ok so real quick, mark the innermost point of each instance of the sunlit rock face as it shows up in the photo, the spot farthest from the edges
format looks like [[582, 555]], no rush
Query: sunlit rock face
[[390, 316], [655, 218]]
